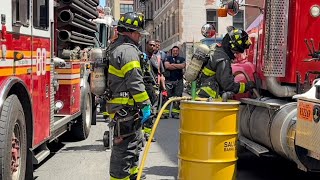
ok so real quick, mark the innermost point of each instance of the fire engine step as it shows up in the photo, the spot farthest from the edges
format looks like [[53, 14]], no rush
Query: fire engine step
[[252, 146], [43, 152]]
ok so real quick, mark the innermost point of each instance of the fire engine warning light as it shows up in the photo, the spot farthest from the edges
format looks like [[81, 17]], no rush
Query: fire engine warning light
[[58, 105], [315, 11], [18, 56]]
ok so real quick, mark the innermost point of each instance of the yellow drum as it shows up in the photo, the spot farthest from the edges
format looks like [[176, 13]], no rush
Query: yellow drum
[[208, 140]]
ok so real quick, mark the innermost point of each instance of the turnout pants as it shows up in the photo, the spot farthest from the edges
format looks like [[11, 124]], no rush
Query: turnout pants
[[174, 89], [127, 145]]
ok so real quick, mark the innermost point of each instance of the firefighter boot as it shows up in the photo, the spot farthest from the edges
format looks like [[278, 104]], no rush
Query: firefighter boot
[[134, 176], [146, 136]]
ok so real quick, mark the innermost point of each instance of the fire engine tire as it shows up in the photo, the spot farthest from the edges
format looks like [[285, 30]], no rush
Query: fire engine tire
[[94, 110], [106, 141], [81, 128], [13, 140]]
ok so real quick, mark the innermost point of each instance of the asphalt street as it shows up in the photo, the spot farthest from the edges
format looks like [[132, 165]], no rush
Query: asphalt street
[[89, 159]]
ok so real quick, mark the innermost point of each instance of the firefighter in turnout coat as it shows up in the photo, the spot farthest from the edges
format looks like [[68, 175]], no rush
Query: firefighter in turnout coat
[[216, 76], [129, 105]]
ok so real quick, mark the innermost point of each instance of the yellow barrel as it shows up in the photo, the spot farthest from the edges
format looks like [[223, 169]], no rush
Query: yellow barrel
[[208, 140]]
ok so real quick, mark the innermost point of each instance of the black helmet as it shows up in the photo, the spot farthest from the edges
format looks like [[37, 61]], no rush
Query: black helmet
[[133, 21], [239, 40]]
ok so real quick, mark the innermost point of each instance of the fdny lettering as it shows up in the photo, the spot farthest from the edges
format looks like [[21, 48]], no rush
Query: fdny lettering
[[124, 94], [229, 146]]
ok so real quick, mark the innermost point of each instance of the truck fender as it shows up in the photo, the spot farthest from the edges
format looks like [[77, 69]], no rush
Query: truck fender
[[5, 89]]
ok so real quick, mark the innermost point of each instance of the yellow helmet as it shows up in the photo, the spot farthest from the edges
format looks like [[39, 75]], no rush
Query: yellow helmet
[[133, 21], [239, 40]]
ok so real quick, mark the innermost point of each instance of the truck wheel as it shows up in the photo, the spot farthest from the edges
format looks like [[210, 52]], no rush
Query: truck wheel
[[13, 140], [94, 110], [81, 128]]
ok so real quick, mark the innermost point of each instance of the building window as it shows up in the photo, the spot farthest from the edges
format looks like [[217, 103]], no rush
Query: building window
[[212, 18], [124, 8], [165, 30], [173, 24], [161, 33], [151, 14], [41, 14], [168, 28], [238, 20], [20, 12]]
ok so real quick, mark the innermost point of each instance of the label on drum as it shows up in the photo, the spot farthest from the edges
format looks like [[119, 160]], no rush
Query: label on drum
[[229, 146]]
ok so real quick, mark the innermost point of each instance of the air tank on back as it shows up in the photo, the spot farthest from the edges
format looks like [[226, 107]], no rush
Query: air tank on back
[[195, 65], [98, 77]]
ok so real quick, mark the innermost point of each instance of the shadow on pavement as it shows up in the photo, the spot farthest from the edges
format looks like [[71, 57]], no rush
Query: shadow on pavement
[[162, 171], [54, 148], [98, 147], [264, 168], [167, 136]]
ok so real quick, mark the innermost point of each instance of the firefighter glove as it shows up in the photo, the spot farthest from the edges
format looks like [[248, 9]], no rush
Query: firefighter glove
[[146, 113], [165, 93], [250, 85]]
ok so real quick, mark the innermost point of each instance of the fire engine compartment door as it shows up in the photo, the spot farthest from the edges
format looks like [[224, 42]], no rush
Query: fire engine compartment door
[[42, 11], [15, 46]]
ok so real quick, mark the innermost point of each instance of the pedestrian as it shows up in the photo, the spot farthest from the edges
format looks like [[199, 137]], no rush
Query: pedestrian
[[128, 100], [151, 71], [175, 65], [216, 76], [114, 33], [158, 51]]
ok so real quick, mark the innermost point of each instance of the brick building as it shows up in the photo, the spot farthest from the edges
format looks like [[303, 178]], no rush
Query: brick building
[[178, 22]]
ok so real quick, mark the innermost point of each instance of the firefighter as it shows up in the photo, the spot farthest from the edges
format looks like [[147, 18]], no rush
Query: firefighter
[[129, 105], [216, 75]]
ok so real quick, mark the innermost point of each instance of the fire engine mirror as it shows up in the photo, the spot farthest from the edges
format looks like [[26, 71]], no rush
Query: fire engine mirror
[[232, 7], [208, 30], [58, 105]]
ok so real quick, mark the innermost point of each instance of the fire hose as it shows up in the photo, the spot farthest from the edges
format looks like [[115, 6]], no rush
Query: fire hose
[[145, 153]]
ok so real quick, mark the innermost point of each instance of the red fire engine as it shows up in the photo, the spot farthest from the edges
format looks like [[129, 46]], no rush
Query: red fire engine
[[45, 48], [284, 61]]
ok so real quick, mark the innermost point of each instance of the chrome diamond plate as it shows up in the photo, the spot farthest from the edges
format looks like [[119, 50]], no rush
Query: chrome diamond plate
[[275, 51]]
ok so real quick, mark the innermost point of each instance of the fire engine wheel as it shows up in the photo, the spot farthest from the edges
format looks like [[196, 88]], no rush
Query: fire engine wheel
[[81, 128], [13, 138]]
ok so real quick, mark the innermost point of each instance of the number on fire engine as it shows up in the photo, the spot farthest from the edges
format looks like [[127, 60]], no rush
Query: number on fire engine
[[41, 61]]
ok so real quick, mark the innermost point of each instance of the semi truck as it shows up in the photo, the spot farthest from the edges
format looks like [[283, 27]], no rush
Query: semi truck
[[284, 61]]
